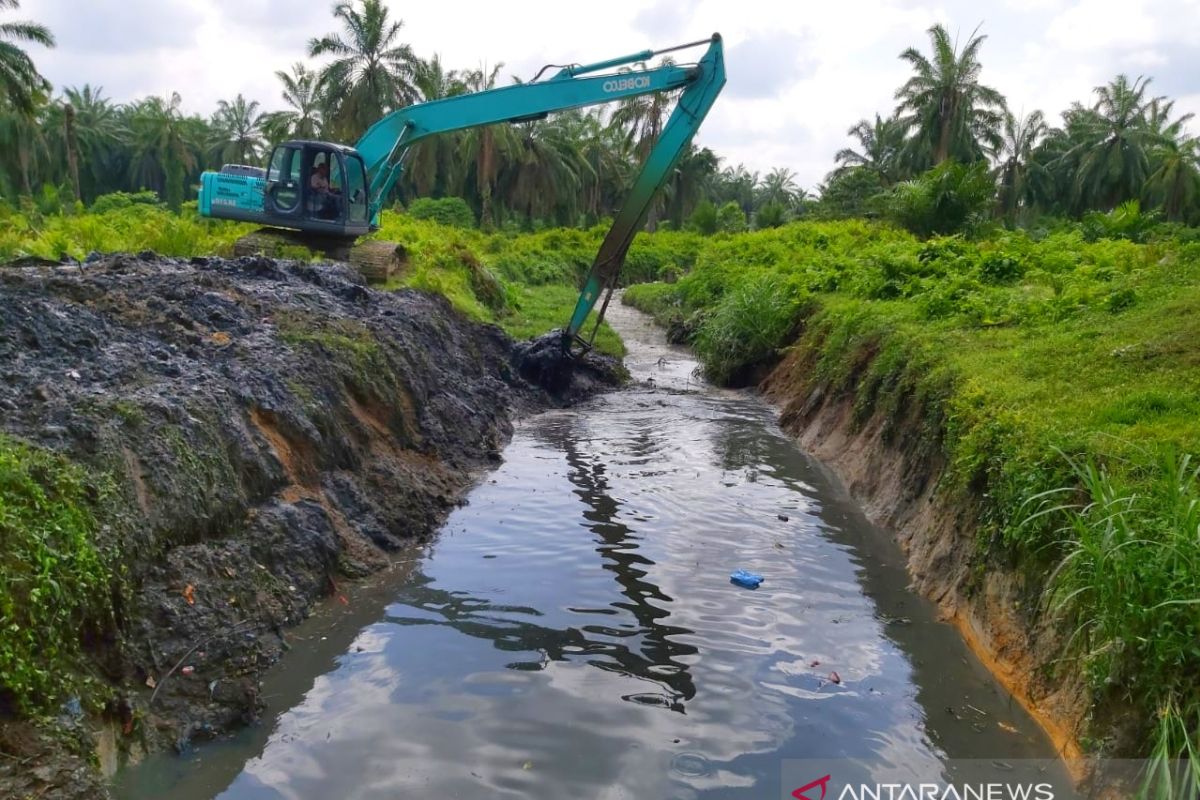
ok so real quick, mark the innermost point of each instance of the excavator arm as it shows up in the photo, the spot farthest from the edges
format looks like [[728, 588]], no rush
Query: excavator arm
[[385, 143], [295, 192]]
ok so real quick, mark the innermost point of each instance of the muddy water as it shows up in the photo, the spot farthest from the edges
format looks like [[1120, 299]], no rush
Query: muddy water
[[573, 631]]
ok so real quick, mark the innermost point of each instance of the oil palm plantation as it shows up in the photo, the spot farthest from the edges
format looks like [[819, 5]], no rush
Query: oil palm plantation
[[880, 147], [20, 81], [163, 146], [544, 176], [371, 71], [642, 118], [1022, 135], [482, 151], [608, 158], [24, 149], [94, 136], [779, 187], [1114, 145], [431, 161], [689, 181], [237, 129], [302, 117], [946, 110], [1174, 184]]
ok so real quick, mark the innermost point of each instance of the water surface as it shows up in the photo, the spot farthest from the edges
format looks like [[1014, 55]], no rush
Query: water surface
[[572, 632]]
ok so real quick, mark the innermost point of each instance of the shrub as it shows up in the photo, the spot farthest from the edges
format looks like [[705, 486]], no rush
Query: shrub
[[771, 215], [731, 218], [54, 580], [704, 219], [747, 326], [452, 211], [118, 200], [1126, 221], [950, 198]]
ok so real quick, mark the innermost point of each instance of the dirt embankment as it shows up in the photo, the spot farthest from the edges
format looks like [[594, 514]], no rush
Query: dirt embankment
[[267, 429], [890, 469]]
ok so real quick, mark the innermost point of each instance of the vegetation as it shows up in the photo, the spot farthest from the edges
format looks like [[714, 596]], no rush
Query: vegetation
[[54, 576], [1010, 351], [1024, 287]]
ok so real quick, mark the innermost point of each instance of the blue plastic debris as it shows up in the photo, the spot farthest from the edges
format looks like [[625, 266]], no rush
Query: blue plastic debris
[[747, 580]]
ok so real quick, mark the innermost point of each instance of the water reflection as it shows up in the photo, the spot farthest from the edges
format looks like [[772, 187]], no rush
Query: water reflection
[[513, 629], [573, 633]]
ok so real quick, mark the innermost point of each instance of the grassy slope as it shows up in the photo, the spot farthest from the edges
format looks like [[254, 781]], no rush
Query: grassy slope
[[1015, 349], [1039, 366]]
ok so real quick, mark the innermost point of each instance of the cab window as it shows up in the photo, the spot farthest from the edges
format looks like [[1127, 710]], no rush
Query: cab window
[[356, 190], [284, 172]]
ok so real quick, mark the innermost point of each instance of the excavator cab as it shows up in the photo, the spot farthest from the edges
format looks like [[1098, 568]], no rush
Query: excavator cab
[[317, 187]]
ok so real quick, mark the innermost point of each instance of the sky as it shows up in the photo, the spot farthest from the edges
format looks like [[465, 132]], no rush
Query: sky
[[800, 73]]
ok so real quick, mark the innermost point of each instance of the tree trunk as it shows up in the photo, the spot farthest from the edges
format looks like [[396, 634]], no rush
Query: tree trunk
[[483, 174], [72, 149], [23, 163]]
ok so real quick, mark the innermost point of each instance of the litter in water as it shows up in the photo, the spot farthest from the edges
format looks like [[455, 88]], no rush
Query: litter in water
[[748, 580]]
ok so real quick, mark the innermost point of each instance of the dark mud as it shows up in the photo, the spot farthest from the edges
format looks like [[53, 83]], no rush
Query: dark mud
[[268, 429]]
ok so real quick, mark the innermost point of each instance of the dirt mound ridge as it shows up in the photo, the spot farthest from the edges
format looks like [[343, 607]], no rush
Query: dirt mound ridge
[[269, 428]]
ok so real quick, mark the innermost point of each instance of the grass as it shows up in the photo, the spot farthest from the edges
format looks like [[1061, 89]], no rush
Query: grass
[[537, 309], [54, 576], [1057, 375], [1052, 368]]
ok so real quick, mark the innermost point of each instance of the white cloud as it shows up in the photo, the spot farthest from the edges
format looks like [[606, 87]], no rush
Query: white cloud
[[799, 73]]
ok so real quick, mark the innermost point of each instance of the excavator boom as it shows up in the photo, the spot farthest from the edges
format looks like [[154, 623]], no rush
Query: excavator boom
[[336, 192]]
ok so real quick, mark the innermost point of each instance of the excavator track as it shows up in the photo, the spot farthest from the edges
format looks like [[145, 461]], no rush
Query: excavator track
[[377, 261]]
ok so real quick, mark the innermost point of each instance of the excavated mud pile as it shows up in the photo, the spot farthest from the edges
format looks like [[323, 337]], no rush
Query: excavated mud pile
[[269, 429], [545, 362]]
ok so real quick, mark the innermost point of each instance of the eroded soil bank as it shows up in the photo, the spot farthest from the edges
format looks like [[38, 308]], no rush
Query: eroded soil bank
[[890, 469], [256, 432]]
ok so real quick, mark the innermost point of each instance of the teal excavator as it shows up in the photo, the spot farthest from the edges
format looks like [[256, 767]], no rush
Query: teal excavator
[[325, 195]]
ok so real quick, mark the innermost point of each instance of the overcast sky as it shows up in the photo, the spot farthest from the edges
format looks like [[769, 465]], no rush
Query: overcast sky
[[800, 73]]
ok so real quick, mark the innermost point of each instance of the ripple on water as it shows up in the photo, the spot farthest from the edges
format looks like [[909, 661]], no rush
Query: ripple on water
[[574, 629]]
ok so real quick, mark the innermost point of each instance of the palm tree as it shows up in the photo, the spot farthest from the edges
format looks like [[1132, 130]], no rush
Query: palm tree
[[880, 146], [689, 179], [949, 112], [430, 163], [22, 141], [544, 178], [482, 149], [20, 81], [92, 138], [163, 146], [237, 128], [1115, 144], [1021, 138], [371, 72], [779, 186], [1175, 181], [736, 184], [606, 157], [302, 118], [642, 118]]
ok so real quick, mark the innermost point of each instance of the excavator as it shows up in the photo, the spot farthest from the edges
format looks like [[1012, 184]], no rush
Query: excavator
[[325, 195]]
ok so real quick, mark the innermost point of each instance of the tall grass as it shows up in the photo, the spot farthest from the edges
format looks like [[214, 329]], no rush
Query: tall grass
[[748, 326], [1127, 581]]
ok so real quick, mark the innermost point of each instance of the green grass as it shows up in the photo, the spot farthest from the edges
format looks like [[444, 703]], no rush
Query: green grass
[[124, 229], [1037, 368], [54, 576], [537, 309]]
